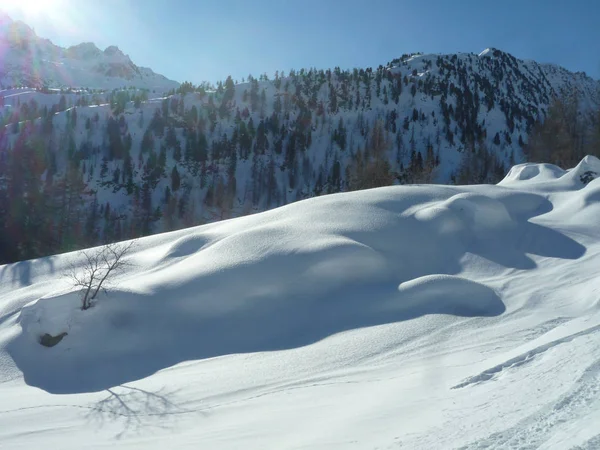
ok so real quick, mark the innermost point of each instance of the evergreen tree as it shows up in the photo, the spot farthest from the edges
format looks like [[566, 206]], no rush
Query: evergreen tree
[[497, 139], [175, 179], [62, 103], [333, 103], [74, 118]]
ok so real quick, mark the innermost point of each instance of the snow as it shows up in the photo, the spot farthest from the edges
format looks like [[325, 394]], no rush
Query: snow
[[404, 317], [527, 85], [30, 60], [544, 176]]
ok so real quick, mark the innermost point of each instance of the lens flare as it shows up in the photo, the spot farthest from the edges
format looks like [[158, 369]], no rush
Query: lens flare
[[29, 7]]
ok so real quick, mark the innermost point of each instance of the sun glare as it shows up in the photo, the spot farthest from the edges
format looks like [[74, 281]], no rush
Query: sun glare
[[41, 14], [29, 7]]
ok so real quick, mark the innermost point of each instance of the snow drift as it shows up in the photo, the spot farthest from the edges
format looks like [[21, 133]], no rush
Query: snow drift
[[432, 286]]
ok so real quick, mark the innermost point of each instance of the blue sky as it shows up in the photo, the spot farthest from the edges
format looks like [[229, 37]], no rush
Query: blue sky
[[200, 40]]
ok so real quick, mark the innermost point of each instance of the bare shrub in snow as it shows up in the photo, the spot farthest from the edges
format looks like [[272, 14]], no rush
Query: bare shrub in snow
[[98, 267]]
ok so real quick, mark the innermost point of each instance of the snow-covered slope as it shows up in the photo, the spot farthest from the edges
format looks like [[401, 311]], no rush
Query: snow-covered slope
[[209, 153], [421, 317], [28, 60]]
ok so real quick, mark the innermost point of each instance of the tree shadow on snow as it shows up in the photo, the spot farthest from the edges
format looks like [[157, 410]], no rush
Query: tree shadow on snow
[[136, 410], [19, 274]]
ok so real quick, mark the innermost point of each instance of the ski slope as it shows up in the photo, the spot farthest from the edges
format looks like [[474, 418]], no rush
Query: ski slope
[[415, 317]]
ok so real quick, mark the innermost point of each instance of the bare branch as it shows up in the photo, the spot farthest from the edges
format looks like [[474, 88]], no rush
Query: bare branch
[[98, 267], [113, 261]]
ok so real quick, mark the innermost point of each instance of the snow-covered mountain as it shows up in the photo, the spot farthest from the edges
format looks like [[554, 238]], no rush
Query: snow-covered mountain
[[134, 162], [418, 317], [31, 61]]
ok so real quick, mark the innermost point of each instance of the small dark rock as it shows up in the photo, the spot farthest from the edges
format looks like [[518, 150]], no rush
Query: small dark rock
[[588, 176], [47, 340]]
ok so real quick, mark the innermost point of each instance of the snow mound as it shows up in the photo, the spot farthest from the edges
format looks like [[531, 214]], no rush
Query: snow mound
[[591, 193], [450, 295], [554, 177], [185, 246], [468, 212], [587, 170], [533, 172], [288, 278], [48, 316], [278, 280]]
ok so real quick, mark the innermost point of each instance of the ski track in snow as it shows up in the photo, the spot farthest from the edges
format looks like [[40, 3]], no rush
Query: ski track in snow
[[531, 432], [522, 359], [591, 444]]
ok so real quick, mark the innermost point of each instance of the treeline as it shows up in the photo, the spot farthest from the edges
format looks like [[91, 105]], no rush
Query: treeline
[[566, 134], [30, 110]]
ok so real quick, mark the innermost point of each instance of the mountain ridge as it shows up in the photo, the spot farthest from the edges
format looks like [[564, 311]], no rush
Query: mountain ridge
[[32, 61]]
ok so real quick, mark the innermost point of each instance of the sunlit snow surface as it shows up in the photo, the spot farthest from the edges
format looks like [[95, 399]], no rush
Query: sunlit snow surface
[[415, 317]]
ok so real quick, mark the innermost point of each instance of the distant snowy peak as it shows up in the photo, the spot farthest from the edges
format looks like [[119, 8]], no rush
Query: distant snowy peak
[[85, 50], [493, 52], [18, 29], [114, 51], [114, 63], [28, 60], [5, 19], [503, 72]]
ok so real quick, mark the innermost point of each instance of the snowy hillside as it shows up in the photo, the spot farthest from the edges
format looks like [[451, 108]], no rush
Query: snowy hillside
[[134, 162], [91, 166], [421, 317], [31, 61]]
